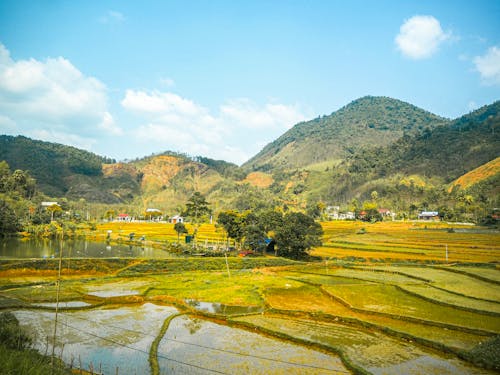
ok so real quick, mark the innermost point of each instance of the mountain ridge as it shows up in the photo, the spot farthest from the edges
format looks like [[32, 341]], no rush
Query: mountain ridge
[[369, 121], [425, 151]]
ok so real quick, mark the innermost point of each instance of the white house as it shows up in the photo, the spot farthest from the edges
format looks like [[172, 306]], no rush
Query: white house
[[176, 219], [428, 215]]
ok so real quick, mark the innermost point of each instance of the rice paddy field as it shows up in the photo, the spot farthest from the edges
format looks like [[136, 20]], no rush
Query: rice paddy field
[[380, 298]]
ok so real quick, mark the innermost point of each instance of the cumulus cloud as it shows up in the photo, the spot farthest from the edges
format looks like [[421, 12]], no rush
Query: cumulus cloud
[[420, 37], [53, 96], [176, 123], [488, 66]]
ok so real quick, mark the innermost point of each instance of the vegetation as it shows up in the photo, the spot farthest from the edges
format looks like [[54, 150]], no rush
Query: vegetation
[[368, 121], [16, 354]]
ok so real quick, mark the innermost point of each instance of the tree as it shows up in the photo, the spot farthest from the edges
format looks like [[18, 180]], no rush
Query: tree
[[255, 238], [233, 223], [297, 234], [9, 222], [55, 208], [196, 207], [180, 228]]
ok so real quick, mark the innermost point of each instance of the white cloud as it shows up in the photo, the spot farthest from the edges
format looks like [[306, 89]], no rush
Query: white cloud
[[172, 122], [488, 66], [420, 37], [55, 96]]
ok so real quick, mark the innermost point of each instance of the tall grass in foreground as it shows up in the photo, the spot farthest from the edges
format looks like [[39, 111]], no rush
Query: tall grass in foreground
[[16, 355]]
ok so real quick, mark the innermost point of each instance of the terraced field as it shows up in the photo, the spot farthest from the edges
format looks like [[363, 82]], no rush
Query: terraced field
[[388, 314]]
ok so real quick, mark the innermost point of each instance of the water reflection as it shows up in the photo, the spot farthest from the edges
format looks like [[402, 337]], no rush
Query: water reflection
[[219, 308], [121, 338], [73, 248]]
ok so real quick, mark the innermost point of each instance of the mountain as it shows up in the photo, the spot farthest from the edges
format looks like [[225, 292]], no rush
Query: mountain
[[375, 144], [52, 164], [447, 151], [367, 122], [479, 175]]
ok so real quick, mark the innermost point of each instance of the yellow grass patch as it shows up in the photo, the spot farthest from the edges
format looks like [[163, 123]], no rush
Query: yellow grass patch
[[259, 179], [479, 174]]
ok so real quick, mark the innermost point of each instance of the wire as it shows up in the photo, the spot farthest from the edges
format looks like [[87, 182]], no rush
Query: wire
[[143, 351], [163, 356], [222, 350]]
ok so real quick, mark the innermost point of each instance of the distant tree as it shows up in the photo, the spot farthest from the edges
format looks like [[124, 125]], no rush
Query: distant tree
[[297, 235], [54, 210], [110, 214], [233, 223], [180, 228], [9, 222], [196, 207], [255, 238]]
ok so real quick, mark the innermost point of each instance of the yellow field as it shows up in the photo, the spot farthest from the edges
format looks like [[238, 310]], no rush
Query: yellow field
[[394, 241], [409, 241]]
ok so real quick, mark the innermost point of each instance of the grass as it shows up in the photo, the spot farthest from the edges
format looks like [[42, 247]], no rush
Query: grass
[[388, 299], [452, 282], [442, 296], [390, 269], [402, 241]]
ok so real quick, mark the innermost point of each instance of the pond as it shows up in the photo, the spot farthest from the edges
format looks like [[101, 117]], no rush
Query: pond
[[119, 340], [13, 248]]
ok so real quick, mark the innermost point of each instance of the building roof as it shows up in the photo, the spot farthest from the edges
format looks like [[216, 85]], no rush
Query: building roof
[[429, 213]]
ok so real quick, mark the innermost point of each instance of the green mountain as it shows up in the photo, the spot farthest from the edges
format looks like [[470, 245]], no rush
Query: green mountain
[[53, 165], [448, 151], [406, 155], [367, 122]]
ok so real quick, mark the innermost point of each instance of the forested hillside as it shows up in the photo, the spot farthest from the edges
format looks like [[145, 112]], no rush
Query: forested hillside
[[50, 163], [447, 151], [365, 123], [375, 150]]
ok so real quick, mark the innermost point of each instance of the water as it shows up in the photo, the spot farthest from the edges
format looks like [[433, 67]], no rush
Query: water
[[222, 309], [12, 248], [121, 338]]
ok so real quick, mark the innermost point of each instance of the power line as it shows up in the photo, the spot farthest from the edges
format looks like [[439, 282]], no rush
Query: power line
[[163, 356], [223, 350], [143, 351]]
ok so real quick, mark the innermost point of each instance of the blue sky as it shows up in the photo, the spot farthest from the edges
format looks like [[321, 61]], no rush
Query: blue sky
[[221, 79]]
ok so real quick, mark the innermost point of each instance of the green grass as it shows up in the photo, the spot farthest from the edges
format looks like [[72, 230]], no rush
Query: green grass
[[27, 362], [452, 299], [451, 281], [388, 299]]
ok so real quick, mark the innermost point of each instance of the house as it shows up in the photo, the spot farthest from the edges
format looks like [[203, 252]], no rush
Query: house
[[123, 217], [176, 219], [429, 215], [384, 212], [349, 215]]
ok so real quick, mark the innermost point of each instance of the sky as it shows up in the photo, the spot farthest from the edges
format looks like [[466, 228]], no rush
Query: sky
[[221, 79]]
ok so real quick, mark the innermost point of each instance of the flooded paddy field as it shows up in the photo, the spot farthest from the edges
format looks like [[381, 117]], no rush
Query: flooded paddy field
[[267, 315]]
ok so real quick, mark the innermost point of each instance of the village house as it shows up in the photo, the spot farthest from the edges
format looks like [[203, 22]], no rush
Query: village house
[[428, 215], [123, 217], [176, 219]]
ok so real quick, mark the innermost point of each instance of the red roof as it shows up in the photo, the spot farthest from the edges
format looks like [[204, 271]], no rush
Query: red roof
[[122, 215]]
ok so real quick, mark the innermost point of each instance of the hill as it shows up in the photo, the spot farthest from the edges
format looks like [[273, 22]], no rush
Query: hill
[[448, 151], [479, 175], [53, 165], [367, 122], [405, 155]]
